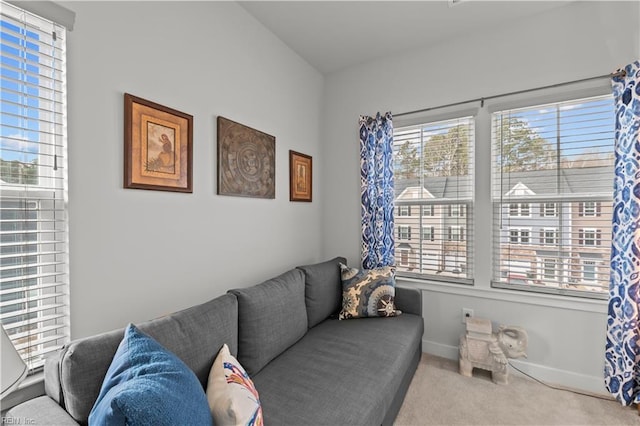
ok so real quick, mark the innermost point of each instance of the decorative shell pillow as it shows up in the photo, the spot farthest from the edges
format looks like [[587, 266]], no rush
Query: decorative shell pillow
[[368, 292]]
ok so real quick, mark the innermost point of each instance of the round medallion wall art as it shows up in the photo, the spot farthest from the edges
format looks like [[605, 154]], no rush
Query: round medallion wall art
[[246, 161]]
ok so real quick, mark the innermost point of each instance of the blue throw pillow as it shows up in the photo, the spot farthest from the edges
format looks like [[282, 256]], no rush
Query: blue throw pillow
[[148, 385]]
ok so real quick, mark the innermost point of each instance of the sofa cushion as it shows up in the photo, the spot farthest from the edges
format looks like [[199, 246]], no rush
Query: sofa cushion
[[271, 317], [323, 289], [148, 385], [233, 399], [367, 292], [346, 372], [194, 335]]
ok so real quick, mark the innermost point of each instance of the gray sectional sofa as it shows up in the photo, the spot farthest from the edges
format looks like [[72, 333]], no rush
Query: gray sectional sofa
[[308, 367]]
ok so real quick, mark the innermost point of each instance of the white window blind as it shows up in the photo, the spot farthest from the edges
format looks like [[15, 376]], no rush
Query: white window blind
[[33, 175], [434, 194], [557, 159]]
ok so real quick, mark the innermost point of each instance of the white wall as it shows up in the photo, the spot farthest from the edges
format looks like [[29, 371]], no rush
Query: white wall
[[138, 254], [581, 40]]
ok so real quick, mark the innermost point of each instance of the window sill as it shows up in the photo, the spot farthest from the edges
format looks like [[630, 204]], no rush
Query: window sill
[[515, 296]]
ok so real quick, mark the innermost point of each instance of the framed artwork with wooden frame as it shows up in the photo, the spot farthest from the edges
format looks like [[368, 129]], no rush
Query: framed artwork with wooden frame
[[158, 146], [246, 161], [300, 177]]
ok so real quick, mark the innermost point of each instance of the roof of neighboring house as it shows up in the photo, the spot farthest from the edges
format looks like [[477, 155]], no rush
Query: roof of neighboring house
[[453, 187], [591, 180]]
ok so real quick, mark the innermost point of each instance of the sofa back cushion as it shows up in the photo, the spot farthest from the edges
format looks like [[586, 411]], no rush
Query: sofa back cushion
[[195, 335], [148, 385], [271, 317], [323, 289]]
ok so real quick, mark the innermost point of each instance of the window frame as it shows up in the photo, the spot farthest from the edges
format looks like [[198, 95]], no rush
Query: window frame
[[593, 263], [545, 268], [43, 281], [428, 236], [600, 94], [519, 230], [594, 237], [519, 209], [544, 241], [459, 234], [435, 210], [430, 210], [404, 232], [544, 212]]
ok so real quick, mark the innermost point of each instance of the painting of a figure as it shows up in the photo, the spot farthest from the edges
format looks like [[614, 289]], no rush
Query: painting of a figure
[[300, 177], [161, 156]]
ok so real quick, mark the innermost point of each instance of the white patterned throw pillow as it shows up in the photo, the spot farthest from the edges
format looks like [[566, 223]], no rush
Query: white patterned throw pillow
[[233, 399]]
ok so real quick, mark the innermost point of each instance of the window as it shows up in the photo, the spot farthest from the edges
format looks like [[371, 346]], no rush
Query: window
[[589, 237], [548, 236], [404, 232], [548, 210], [33, 244], [558, 157], [404, 211], [456, 233], [549, 269], [519, 209], [588, 270], [433, 171], [519, 236], [589, 209], [428, 233], [456, 210], [404, 257]]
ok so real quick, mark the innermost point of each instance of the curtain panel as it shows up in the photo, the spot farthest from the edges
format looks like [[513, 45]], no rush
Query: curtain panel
[[377, 190], [622, 356]]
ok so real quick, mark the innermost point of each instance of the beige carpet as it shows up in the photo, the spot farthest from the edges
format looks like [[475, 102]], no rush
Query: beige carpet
[[438, 395]]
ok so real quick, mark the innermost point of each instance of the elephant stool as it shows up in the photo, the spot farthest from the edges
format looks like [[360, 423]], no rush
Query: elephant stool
[[480, 348]]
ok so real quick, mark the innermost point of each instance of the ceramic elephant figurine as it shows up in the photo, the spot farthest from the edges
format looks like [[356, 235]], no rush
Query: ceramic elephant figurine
[[491, 351]]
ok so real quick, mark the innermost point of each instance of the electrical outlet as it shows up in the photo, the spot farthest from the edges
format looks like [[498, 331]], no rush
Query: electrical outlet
[[466, 313]]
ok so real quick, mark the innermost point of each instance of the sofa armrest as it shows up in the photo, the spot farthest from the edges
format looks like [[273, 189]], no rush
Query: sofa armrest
[[38, 411], [52, 377], [409, 300]]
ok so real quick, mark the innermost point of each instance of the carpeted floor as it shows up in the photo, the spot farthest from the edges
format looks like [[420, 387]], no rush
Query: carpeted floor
[[438, 395]]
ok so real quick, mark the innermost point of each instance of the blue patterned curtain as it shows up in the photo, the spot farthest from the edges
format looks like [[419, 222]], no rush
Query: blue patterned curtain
[[376, 171], [622, 365]]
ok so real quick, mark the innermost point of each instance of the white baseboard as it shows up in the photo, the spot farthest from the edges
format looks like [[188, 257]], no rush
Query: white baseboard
[[438, 349], [549, 375]]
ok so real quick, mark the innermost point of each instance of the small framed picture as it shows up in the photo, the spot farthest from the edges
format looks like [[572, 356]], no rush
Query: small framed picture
[[158, 146], [300, 177]]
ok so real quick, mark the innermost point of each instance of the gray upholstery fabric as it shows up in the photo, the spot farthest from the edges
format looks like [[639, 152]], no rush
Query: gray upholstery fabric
[[52, 376], [408, 300], [398, 398], [195, 335], [360, 364], [271, 317], [38, 411], [339, 372], [323, 289]]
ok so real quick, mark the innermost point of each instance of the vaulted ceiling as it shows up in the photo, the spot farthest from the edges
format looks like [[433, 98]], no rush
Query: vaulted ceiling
[[332, 35]]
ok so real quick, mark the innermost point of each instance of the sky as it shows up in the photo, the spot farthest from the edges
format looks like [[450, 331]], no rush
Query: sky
[[19, 102]]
